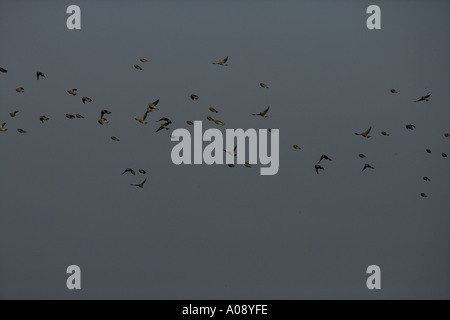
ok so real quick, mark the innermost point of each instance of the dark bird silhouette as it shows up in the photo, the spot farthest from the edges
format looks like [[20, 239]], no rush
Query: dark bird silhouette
[[394, 91], [318, 167], [43, 118], [296, 147], [163, 126], [365, 134], [142, 171], [367, 166], [72, 92], [20, 89], [2, 127], [103, 121], [263, 85], [115, 138], [141, 185], [152, 106], [3, 70], [424, 98], [137, 67], [142, 120], [70, 116], [223, 62], [194, 97], [213, 110], [21, 131], [129, 170], [86, 99], [13, 114], [324, 157], [262, 114], [103, 112], [39, 74], [410, 127]]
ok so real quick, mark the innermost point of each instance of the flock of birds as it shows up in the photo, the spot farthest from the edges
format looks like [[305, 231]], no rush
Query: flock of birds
[[165, 122]]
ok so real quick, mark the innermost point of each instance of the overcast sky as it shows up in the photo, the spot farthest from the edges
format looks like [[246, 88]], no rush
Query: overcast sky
[[214, 232]]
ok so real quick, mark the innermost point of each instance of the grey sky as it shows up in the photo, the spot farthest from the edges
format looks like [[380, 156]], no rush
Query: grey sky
[[213, 232]]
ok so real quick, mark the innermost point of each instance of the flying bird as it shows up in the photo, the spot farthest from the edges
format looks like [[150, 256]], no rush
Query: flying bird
[[2, 127], [365, 134], [384, 133], [142, 120], [72, 92], [209, 118], [103, 112], [141, 185], [114, 138], [429, 151], [86, 99], [361, 155], [152, 106], [70, 116], [3, 70], [367, 166], [213, 110], [248, 165], [410, 127], [189, 123], [20, 89], [194, 97], [164, 119], [143, 60], [79, 116], [137, 67], [231, 165], [426, 179], [262, 114], [129, 170], [103, 121], [39, 74], [232, 152], [142, 171], [296, 147], [447, 135], [163, 126], [444, 155], [43, 118], [21, 131], [318, 167], [324, 157], [263, 85], [423, 195], [13, 114], [394, 91], [223, 62], [219, 122], [424, 98]]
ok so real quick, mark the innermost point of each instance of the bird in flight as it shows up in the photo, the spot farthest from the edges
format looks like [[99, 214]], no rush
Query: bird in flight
[[72, 92], [21, 131], [367, 166], [39, 74], [213, 110], [137, 67], [318, 167], [424, 98], [365, 134], [231, 165], [129, 170], [114, 138], [163, 126], [20, 89], [223, 62], [262, 114], [296, 147], [410, 127], [423, 195], [164, 119], [2, 127], [444, 155], [263, 85], [143, 60], [194, 97], [324, 157], [189, 123], [248, 165], [142, 120], [232, 152], [79, 116], [142, 171], [141, 185], [103, 121], [152, 106], [13, 114], [447, 135], [361, 155], [394, 91], [43, 118], [219, 122], [70, 116], [103, 112], [429, 151], [3, 70], [209, 118], [426, 179], [384, 133], [86, 99]]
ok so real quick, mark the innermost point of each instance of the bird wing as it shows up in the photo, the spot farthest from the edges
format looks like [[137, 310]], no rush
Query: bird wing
[[155, 103], [225, 60], [143, 182], [428, 95], [265, 111], [368, 130], [145, 115]]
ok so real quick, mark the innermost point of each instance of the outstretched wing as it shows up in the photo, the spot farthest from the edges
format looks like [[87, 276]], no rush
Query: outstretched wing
[[428, 95], [143, 182], [265, 111], [368, 130], [155, 103], [225, 60], [145, 115]]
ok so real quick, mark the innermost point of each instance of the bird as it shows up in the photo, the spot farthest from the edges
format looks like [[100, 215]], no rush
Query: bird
[[361, 155], [367, 166], [263, 85], [143, 60], [365, 134], [141, 185], [163, 126], [39, 74], [137, 67], [103, 121], [248, 165], [444, 155], [426, 179], [3, 70], [189, 123], [318, 167], [79, 116], [114, 138], [13, 114], [296, 147], [429, 151], [324, 157], [164, 119], [70, 116], [73, 92], [43, 118], [424, 98], [213, 110], [103, 112], [142, 171], [194, 97], [152, 106], [219, 122], [423, 195], [209, 118], [129, 170], [394, 91], [20, 89], [231, 165], [262, 114], [384, 133], [142, 120], [410, 127], [2, 127], [21, 131], [232, 152], [86, 99], [223, 62], [447, 135]]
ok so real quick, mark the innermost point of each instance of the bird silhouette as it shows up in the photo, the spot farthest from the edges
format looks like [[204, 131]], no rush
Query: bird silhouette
[[365, 134], [39, 74], [263, 85], [72, 92], [103, 121], [2, 127], [223, 62], [324, 157], [410, 127], [194, 97], [20, 89], [86, 99], [130, 171], [262, 114], [115, 138], [79, 116], [318, 167], [3, 70], [152, 106], [424, 98], [142, 171], [219, 122], [367, 166], [70, 116], [296, 147], [384, 133], [21, 131], [141, 185], [137, 67], [43, 118], [142, 120], [13, 114], [213, 110], [394, 91]]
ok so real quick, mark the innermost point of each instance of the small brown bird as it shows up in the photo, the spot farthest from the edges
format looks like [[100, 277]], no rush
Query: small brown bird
[[13, 114], [142, 171], [429, 151], [318, 167], [367, 166], [296, 147], [384, 133], [189, 123], [129, 170], [114, 138], [219, 122], [423, 195], [263, 85], [86, 99], [447, 135], [361, 155], [103, 121], [2, 127], [444, 155], [163, 126], [194, 97], [424, 98], [426, 179], [213, 110], [143, 60], [262, 114], [39, 74], [20, 89], [103, 112], [72, 92], [21, 131], [223, 62], [410, 127], [137, 67], [164, 119], [248, 165], [152, 106], [365, 134], [142, 120], [324, 157], [209, 118], [79, 116], [3, 70], [394, 91], [43, 118], [141, 185], [231, 165], [69, 116]]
